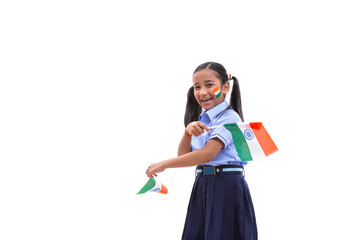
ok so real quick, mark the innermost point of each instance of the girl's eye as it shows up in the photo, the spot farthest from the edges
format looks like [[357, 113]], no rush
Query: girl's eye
[[209, 85], [197, 87]]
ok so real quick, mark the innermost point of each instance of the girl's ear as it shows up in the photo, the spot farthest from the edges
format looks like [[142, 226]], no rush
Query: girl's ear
[[226, 87]]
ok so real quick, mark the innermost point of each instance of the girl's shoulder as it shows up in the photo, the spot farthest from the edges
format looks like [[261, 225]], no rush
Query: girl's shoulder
[[228, 116]]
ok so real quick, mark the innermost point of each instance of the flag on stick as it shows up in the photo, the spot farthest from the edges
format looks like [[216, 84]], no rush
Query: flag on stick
[[153, 186], [251, 140]]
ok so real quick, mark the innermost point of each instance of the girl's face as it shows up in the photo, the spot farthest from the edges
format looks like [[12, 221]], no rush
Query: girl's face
[[207, 89]]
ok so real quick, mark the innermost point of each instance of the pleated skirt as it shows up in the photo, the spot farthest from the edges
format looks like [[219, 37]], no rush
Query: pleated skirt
[[220, 208]]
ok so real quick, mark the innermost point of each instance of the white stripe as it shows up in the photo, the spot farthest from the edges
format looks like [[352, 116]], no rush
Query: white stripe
[[157, 187], [254, 146], [224, 170], [232, 169]]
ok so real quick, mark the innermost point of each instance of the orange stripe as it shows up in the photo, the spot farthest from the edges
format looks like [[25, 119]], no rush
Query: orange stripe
[[215, 89], [264, 139], [163, 190]]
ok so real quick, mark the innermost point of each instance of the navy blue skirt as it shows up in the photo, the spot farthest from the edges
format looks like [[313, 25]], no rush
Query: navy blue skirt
[[220, 208]]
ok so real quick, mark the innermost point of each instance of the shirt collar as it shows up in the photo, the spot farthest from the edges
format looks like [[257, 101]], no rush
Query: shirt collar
[[212, 113]]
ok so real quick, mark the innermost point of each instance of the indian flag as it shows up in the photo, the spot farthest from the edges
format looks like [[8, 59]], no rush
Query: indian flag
[[217, 92], [251, 140], [153, 186]]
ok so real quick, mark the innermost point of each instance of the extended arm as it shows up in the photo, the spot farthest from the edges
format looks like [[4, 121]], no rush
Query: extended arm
[[201, 156]]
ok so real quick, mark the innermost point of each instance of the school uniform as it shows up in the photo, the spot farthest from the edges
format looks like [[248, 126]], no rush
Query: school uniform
[[220, 206]]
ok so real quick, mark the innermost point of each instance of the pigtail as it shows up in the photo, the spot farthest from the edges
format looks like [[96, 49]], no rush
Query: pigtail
[[193, 109], [235, 98]]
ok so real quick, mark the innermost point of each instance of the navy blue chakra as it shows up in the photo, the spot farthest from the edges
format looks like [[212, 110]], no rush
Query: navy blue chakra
[[248, 134]]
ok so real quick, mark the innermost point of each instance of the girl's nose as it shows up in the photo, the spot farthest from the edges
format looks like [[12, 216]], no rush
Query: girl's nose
[[203, 91]]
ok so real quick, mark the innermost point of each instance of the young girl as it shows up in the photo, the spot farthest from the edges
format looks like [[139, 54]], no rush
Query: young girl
[[220, 206]]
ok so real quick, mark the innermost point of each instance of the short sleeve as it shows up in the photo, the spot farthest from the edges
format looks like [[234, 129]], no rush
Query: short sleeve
[[224, 135]]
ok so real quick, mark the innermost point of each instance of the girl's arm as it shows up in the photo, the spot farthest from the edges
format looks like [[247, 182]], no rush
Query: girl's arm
[[185, 145], [194, 128], [201, 156]]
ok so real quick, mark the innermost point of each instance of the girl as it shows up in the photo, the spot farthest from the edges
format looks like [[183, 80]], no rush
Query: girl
[[220, 206]]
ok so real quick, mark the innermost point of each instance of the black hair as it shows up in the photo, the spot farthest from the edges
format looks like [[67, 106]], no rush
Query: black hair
[[193, 109]]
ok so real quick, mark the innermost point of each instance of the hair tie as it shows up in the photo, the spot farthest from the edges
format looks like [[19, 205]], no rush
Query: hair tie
[[230, 77]]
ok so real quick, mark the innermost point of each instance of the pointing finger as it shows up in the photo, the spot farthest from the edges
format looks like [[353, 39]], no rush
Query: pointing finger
[[204, 127]]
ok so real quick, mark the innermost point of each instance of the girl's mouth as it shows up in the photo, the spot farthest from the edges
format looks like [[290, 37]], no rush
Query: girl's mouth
[[205, 101]]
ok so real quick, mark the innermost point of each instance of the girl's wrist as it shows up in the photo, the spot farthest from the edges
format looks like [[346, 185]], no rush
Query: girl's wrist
[[188, 135], [164, 164]]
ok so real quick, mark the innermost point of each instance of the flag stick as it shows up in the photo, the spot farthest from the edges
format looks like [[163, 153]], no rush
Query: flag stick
[[239, 124], [215, 126]]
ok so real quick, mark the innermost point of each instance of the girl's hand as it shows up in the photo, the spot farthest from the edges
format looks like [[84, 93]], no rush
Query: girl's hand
[[196, 128], [154, 168]]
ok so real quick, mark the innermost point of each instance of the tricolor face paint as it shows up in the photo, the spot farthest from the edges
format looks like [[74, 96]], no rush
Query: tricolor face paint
[[217, 92]]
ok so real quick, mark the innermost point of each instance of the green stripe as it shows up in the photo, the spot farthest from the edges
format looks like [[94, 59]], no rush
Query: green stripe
[[239, 141], [149, 185], [217, 96]]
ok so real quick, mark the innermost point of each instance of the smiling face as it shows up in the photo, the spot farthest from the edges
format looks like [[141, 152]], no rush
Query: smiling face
[[205, 84]]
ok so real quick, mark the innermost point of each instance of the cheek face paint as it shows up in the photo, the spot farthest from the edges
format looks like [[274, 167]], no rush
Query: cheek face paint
[[217, 92]]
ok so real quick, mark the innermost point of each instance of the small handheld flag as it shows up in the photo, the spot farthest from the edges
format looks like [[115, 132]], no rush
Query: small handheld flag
[[153, 186], [251, 140]]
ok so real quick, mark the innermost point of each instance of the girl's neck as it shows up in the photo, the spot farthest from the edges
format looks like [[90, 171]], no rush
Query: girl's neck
[[204, 110]]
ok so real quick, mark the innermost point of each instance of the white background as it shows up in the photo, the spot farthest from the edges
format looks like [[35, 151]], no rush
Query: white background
[[92, 92]]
